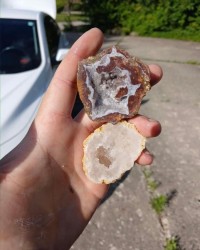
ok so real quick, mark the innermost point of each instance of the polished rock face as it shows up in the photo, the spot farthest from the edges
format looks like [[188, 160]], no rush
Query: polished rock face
[[112, 84]]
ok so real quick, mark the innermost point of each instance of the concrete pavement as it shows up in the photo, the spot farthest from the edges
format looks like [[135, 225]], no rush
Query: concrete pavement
[[126, 220]]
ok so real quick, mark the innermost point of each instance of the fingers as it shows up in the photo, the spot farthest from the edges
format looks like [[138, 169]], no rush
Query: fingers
[[146, 158], [61, 93], [156, 73], [146, 126]]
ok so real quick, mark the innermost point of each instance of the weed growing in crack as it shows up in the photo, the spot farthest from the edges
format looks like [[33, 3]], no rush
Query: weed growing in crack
[[152, 184], [159, 203], [171, 244], [193, 62]]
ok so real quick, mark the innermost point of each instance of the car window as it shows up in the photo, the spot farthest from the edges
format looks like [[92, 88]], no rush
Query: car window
[[19, 46], [53, 36]]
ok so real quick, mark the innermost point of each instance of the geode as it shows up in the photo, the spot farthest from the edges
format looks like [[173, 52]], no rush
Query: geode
[[111, 150], [112, 84]]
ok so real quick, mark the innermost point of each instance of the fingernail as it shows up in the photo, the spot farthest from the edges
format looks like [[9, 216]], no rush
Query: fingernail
[[151, 120]]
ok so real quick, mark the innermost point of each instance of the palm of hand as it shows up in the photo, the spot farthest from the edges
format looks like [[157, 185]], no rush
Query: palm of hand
[[53, 199]]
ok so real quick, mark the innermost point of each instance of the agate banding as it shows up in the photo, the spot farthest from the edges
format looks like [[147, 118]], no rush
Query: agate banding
[[112, 84]]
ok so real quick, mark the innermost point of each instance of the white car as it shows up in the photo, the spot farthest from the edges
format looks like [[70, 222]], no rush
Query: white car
[[31, 45]]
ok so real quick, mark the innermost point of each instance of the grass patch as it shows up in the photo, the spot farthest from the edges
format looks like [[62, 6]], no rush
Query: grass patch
[[193, 62], [172, 244], [186, 35], [147, 173], [159, 203], [152, 184]]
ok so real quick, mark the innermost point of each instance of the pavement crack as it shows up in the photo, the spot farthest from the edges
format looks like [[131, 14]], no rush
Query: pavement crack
[[159, 202]]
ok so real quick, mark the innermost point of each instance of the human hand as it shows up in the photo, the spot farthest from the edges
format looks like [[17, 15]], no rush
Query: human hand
[[46, 200]]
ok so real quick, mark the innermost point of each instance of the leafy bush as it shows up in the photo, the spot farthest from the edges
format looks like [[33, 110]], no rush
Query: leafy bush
[[76, 7], [144, 16], [60, 4], [102, 14]]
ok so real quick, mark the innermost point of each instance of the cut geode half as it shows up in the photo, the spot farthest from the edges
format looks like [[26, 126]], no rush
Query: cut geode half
[[112, 84], [111, 150]]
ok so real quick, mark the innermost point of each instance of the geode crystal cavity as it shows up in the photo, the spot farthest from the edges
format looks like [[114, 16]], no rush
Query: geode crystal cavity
[[112, 84], [111, 150]]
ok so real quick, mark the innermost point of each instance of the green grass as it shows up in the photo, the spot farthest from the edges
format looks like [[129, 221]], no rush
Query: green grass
[[171, 244], [186, 35], [159, 203], [193, 62], [147, 173], [151, 183]]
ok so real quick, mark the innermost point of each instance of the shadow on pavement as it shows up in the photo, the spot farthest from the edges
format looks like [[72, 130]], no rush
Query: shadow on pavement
[[114, 186]]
